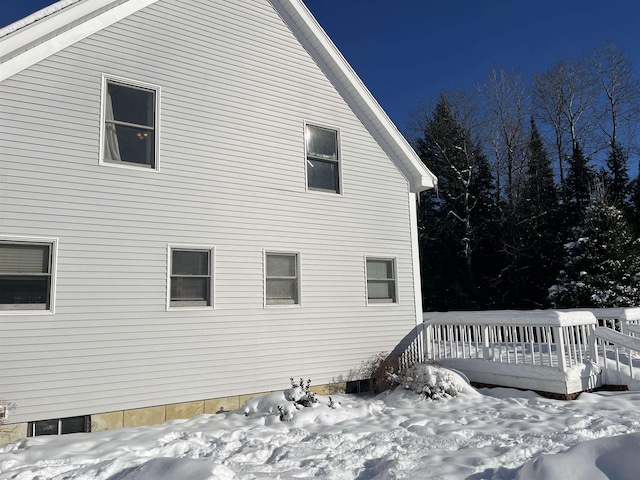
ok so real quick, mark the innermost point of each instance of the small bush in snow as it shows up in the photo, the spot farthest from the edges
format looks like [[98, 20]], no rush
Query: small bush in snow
[[300, 394], [5, 407], [430, 380], [381, 367]]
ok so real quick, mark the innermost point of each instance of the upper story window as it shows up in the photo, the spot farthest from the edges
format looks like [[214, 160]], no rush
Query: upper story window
[[282, 278], [191, 278], [26, 275], [382, 282], [323, 159], [129, 127]]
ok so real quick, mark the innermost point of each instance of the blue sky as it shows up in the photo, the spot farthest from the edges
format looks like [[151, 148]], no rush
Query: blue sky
[[409, 50]]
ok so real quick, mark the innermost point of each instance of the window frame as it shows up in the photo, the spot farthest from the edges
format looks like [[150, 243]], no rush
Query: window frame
[[31, 426], [106, 79], [307, 157], [266, 278], [394, 269], [52, 243], [212, 282]]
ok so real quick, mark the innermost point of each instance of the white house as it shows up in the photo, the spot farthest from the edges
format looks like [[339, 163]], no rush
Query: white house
[[198, 200]]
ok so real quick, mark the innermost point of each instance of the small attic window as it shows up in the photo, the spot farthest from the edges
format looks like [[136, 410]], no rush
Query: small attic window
[[129, 126], [323, 159]]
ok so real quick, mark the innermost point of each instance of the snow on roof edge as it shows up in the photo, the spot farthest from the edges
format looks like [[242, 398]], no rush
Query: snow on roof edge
[[35, 16]]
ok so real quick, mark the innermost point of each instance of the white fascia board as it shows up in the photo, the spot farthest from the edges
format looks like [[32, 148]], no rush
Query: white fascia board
[[65, 39], [418, 175]]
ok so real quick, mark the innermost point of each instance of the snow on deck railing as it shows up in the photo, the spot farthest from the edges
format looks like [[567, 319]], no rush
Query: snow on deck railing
[[558, 339], [607, 341], [618, 319]]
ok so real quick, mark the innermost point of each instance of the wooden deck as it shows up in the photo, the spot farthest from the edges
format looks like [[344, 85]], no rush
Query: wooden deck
[[561, 352]]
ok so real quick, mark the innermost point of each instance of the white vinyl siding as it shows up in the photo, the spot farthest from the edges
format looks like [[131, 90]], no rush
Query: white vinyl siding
[[236, 90], [129, 123]]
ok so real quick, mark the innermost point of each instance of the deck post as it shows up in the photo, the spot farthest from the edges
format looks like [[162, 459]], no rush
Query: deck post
[[486, 346], [593, 345], [560, 348], [427, 335]]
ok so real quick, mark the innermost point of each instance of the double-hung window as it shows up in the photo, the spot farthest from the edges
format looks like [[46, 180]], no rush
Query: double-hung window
[[282, 278], [382, 283], [26, 275], [323, 159], [191, 277], [129, 126]]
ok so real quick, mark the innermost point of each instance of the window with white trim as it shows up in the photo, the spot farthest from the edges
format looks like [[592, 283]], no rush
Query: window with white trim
[[60, 426], [323, 159], [191, 277], [26, 273], [129, 127], [282, 278], [382, 283]]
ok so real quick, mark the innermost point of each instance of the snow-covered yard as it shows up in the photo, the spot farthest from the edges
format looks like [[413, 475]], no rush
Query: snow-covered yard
[[486, 434]]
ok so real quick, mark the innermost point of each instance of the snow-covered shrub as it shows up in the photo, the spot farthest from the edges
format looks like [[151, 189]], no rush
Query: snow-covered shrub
[[286, 403], [430, 380], [5, 407], [300, 394]]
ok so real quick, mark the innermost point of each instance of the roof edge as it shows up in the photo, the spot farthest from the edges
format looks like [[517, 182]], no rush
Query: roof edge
[[40, 39], [419, 176], [35, 16]]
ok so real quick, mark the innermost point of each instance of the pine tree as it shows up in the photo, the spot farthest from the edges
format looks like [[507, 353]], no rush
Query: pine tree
[[537, 245], [579, 177], [619, 181], [454, 222], [602, 263]]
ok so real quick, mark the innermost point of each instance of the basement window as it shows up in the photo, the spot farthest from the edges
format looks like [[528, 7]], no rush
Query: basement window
[[60, 426]]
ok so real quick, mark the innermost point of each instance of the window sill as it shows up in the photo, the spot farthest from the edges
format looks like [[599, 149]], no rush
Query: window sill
[[188, 307], [22, 311], [382, 304], [129, 166]]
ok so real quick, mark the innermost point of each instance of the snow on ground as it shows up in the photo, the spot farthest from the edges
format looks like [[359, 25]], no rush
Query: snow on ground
[[488, 434]]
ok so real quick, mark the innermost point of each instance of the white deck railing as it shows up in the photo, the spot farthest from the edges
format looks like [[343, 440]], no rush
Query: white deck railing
[[609, 344], [618, 319], [559, 339], [542, 337]]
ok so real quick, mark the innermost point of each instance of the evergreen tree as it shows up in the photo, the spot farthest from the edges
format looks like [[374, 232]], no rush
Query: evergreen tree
[[454, 222], [602, 263], [541, 196], [538, 230], [579, 177], [619, 178]]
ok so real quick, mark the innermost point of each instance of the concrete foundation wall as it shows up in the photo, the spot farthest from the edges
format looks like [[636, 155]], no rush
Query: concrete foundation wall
[[141, 417]]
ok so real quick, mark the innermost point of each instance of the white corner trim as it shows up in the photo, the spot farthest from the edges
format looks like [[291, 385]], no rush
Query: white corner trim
[[68, 38], [415, 256]]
